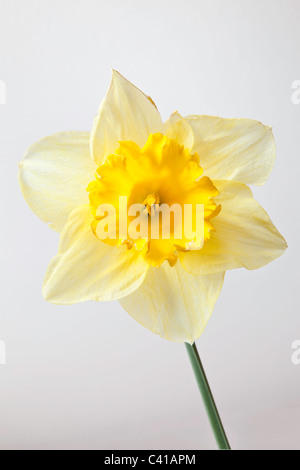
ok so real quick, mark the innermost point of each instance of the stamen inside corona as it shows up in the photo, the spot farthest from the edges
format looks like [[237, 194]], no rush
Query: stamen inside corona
[[151, 201]]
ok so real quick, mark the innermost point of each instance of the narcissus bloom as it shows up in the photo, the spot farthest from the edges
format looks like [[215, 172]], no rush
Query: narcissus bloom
[[168, 285]]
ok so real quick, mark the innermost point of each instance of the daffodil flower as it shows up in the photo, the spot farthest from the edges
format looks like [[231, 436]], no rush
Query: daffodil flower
[[170, 286]]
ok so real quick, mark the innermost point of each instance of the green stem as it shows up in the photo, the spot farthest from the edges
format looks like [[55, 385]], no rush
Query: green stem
[[208, 398]]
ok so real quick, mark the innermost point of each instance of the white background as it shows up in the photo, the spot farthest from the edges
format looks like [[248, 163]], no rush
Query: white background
[[88, 376]]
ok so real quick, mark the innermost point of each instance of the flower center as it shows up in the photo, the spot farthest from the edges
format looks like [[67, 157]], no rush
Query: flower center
[[151, 201], [164, 171]]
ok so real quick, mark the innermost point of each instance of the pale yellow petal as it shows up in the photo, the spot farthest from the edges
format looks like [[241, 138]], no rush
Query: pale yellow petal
[[54, 175], [234, 149], [178, 128], [173, 303], [87, 269], [125, 114], [244, 235]]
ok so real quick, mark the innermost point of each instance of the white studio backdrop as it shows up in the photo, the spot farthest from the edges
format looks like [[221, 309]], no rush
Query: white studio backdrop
[[87, 376]]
